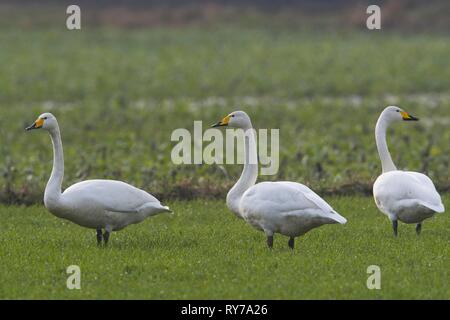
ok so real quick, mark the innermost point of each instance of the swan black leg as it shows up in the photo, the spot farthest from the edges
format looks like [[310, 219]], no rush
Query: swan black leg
[[395, 227], [418, 228], [99, 237], [270, 241], [291, 243], [106, 237]]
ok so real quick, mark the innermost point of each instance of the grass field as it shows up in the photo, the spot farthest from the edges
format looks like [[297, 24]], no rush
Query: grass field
[[119, 94], [204, 252]]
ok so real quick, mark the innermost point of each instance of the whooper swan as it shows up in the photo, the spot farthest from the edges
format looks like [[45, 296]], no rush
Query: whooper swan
[[402, 195], [284, 207], [97, 204]]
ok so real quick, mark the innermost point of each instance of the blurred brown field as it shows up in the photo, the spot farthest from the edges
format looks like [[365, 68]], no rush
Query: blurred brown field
[[397, 15]]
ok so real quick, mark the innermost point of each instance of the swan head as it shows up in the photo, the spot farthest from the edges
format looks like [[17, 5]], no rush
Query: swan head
[[394, 113], [45, 121], [236, 119]]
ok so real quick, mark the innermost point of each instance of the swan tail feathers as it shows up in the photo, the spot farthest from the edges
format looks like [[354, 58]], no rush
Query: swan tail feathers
[[436, 208], [153, 208], [167, 209], [337, 218]]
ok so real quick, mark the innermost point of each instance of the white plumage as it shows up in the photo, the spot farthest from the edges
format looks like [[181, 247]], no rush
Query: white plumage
[[407, 196], [284, 207], [98, 204]]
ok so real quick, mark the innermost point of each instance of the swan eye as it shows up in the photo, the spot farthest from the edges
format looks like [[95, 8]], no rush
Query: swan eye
[[397, 110], [44, 118], [232, 115]]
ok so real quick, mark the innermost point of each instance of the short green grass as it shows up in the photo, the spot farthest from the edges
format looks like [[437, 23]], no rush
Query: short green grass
[[119, 94], [204, 252]]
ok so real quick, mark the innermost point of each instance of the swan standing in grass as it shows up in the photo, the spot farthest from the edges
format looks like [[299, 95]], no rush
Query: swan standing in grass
[[284, 207], [402, 195], [97, 204]]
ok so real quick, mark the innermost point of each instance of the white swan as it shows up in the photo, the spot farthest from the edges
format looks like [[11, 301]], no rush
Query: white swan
[[402, 195], [284, 207], [97, 204]]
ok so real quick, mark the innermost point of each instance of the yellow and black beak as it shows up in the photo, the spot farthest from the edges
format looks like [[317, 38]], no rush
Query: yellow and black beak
[[407, 117], [36, 125], [223, 122]]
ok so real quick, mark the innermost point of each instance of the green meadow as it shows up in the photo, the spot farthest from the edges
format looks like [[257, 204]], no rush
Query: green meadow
[[204, 252], [119, 94]]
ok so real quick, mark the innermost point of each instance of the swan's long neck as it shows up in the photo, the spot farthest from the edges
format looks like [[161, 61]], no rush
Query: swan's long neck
[[380, 137], [249, 173], [53, 188]]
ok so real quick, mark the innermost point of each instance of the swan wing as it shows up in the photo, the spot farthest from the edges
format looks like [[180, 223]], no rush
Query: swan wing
[[394, 188], [426, 193], [111, 195], [286, 198], [311, 196]]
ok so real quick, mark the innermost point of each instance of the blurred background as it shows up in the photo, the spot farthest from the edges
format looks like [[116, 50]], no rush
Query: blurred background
[[137, 70], [405, 15]]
